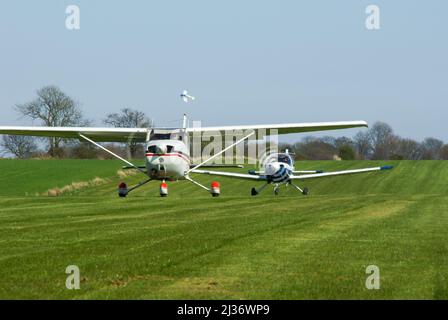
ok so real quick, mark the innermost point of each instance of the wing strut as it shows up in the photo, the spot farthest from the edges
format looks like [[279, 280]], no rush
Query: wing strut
[[113, 154], [197, 183]]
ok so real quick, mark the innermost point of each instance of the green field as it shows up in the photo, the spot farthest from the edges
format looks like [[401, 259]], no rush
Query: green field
[[192, 246]]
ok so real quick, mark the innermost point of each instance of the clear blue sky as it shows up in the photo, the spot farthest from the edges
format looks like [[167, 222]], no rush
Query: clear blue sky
[[247, 62]]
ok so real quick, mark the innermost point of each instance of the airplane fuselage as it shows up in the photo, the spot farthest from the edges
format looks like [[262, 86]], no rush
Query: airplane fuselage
[[278, 172], [279, 167], [170, 160], [167, 159]]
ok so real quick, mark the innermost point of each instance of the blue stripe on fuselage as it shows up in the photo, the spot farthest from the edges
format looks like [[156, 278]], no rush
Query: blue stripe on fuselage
[[281, 175]]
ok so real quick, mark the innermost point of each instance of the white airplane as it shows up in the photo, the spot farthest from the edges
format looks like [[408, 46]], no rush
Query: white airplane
[[279, 170], [186, 97], [168, 153]]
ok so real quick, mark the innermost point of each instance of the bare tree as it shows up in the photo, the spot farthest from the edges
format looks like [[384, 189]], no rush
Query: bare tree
[[408, 149], [312, 148], [444, 152], [382, 136], [347, 152], [54, 109], [432, 148], [129, 118], [21, 146], [363, 144], [343, 141]]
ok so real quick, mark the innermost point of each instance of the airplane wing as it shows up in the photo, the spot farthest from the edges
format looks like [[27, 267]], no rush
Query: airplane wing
[[253, 176], [253, 172], [140, 134], [337, 173], [308, 171], [282, 128], [216, 165], [96, 134], [231, 174]]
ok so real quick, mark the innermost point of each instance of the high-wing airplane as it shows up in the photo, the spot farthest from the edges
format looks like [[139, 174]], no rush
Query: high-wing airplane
[[168, 153], [186, 97]]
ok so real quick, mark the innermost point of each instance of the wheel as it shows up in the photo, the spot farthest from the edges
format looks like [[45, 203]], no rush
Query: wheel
[[306, 191], [122, 190], [215, 195], [254, 192], [276, 191]]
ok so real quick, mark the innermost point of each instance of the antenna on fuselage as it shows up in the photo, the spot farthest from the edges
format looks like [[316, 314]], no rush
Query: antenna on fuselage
[[184, 121], [186, 98]]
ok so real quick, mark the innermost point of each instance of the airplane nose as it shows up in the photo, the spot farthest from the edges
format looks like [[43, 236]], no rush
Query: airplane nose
[[272, 168], [161, 149]]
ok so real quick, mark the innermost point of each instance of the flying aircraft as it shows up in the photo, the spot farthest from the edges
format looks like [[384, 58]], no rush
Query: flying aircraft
[[186, 97], [168, 154]]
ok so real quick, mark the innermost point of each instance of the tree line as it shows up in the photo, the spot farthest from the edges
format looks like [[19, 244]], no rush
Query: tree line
[[377, 143], [54, 108]]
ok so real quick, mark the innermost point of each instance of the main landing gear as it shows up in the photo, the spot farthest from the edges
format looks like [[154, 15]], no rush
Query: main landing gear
[[215, 188], [305, 191], [123, 190], [255, 191]]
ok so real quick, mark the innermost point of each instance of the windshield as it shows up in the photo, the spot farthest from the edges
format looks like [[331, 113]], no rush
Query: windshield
[[284, 158], [161, 136]]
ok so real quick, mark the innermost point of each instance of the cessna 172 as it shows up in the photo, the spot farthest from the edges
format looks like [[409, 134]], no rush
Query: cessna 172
[[168, 153]]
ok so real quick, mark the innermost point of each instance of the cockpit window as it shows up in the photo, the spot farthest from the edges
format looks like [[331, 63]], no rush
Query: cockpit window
[[152, 149], [285, 159], [160, 136], [169, 149]]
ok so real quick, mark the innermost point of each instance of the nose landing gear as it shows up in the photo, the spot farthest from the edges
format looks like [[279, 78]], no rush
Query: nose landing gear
[[276, 190]]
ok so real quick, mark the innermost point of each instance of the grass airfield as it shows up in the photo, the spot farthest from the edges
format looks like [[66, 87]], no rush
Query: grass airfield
[[192, 246]]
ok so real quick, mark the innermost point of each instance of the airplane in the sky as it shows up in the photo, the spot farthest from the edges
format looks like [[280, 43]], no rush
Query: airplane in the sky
[[186, 97], [168, 154]]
